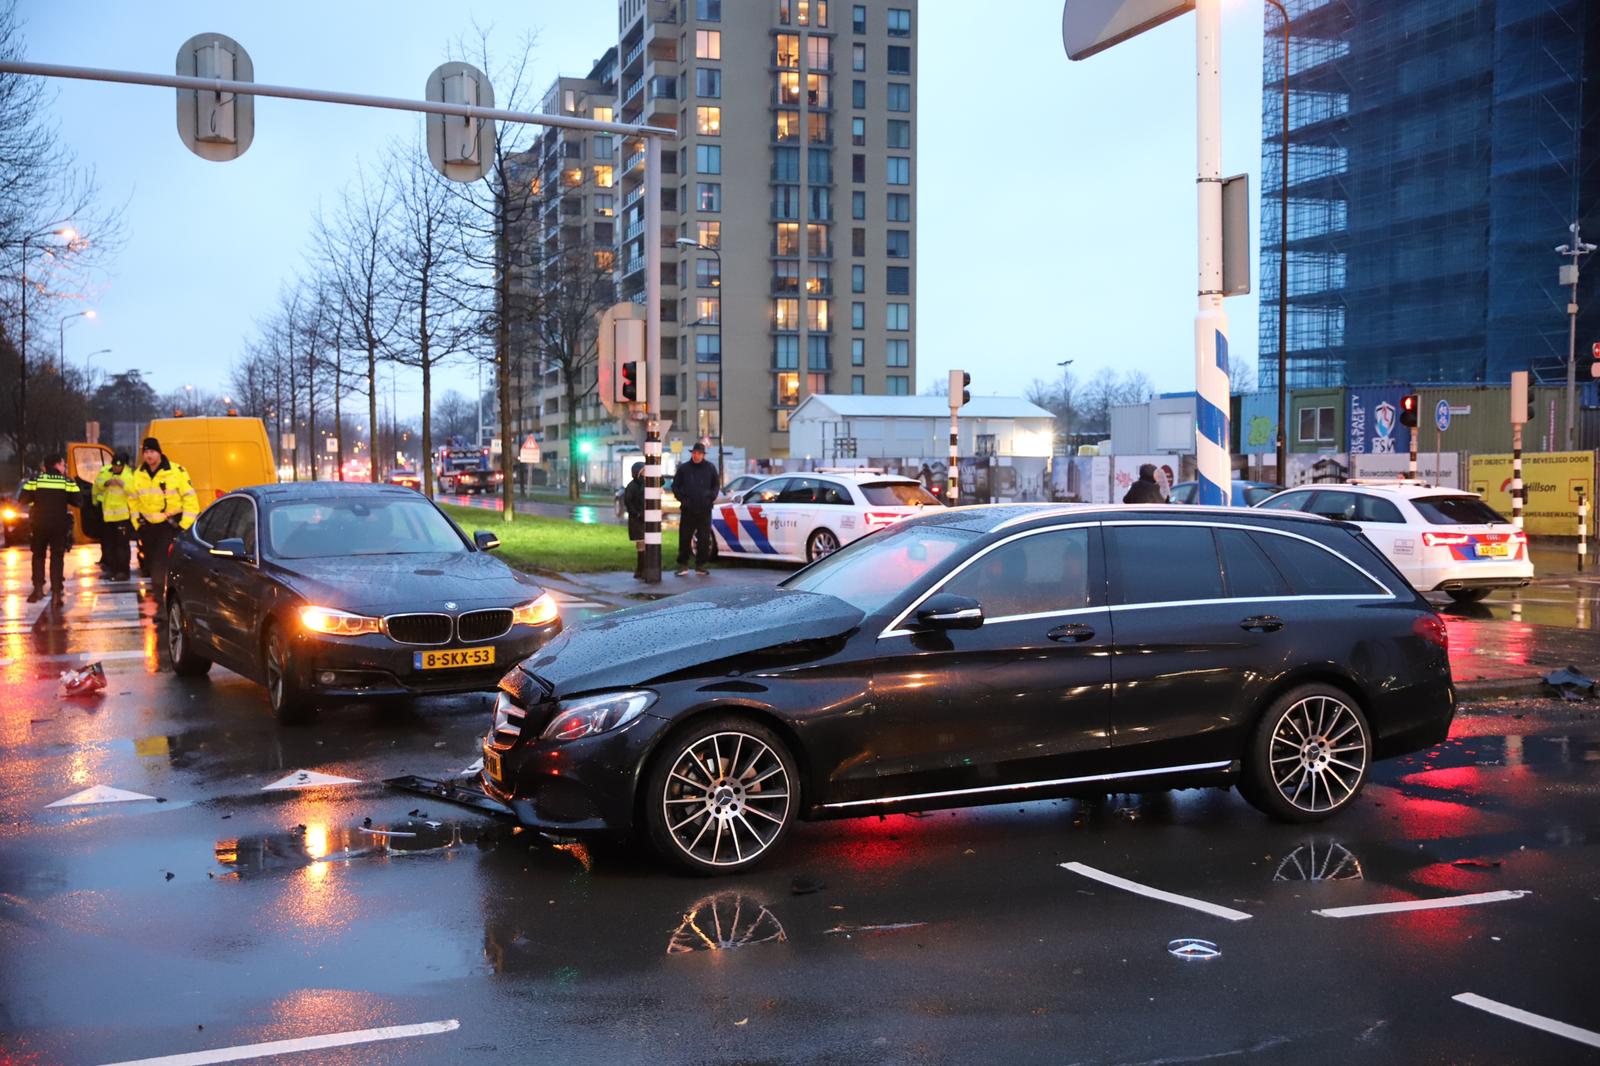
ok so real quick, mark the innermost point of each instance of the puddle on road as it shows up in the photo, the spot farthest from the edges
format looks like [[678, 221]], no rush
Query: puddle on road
[[271, 853], [1319, 860], [726, 921]]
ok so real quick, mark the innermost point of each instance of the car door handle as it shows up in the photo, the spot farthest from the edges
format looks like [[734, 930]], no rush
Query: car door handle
[[1262, 623], [1072, 632]]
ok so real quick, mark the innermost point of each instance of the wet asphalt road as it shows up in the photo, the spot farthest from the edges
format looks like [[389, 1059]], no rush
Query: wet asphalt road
[[229, 916]]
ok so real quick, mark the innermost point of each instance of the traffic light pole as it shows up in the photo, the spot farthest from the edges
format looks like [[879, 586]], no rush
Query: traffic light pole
[[652, 372], [1412, 468], [1516, 474], [953, 488]]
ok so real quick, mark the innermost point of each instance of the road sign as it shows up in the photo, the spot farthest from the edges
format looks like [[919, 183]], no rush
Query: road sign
[[1090, 26], [462, 149], [529, 452], [217, 126], [1441, 415]]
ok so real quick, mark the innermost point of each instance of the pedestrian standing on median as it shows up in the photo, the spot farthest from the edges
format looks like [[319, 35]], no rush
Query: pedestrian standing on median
[[164, 504], [696, 484], [112, 493], [1147, 489], [50, 494], [633, 504]]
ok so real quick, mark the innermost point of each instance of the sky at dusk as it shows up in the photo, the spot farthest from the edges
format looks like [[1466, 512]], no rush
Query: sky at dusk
[[1056, 213]]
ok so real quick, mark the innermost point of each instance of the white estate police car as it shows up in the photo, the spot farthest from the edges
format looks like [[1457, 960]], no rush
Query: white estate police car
[[804, 516], [1442, 540]]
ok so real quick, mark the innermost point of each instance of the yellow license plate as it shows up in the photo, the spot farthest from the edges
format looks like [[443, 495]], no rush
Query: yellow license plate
[[1493, 551], [491, 764], [454, 658]]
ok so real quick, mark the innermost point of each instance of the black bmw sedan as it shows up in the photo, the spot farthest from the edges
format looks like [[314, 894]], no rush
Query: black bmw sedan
[[322, 590], [979, 655]]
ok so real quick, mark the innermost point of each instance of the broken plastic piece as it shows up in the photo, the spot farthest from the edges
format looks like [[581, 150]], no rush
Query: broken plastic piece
[[86, 681], [1571, 683]]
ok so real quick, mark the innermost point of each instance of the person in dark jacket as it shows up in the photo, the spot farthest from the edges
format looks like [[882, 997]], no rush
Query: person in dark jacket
[[49, 494], [696, 484], [1147, 489], [633, 503]]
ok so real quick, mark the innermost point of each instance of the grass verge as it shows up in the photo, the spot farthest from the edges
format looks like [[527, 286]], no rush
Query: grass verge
[[535, 542]]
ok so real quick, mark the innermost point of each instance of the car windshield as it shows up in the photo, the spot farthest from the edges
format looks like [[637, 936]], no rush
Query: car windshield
[[898, 494], [1254, 494], [326, 528], [871, 572], [1457, 511]]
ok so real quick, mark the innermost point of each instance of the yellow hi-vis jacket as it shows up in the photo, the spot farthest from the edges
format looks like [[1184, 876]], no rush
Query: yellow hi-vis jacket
[[113, 493], [167, 493]]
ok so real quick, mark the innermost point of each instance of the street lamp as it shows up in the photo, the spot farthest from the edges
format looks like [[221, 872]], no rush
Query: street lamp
[[690, 242], [68, 234], [1283, 261], [61, 343], [87, 358], [1569, 276]]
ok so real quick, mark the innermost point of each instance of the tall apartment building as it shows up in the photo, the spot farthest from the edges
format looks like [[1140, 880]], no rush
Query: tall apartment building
[[1438, 150], [794, 172]]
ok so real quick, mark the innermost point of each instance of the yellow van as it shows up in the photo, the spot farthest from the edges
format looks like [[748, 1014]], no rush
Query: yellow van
[[220, 454]]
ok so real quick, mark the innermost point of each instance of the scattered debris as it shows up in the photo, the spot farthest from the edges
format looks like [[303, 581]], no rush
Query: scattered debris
[[170, 875], [1478, 864], [1193, 948], [366, 823], [804, 886], [1570, 683], [885, 927], [386, 832], [742, 1021], [87, 681]]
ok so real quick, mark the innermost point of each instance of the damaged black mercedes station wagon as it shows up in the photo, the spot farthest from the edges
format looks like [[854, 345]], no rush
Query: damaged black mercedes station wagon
[[981, 655]]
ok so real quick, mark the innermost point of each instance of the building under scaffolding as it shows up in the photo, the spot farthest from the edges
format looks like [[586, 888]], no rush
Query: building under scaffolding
[[1438, 151]]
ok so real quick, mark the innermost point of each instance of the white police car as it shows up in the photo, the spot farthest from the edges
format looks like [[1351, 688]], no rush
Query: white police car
[[1442, 540], [804, 516]]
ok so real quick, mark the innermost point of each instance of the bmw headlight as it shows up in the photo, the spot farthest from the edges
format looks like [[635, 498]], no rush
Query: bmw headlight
[[338, 623], [538, 612], [596, 714]]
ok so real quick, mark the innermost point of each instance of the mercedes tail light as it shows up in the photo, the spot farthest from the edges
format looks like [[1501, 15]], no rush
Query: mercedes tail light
[[1431, 628]]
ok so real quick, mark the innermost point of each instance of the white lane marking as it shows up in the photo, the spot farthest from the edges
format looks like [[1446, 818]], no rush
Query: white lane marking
[[297, 1045], [1155, 893], [98, 794], [1423, 904], [1537, 1021], [309, 779]]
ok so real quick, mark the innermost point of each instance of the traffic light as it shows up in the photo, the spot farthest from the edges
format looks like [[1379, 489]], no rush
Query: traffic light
[[628, 381], [959, 396], [585, 446], [1408, 410], [1522, 408]]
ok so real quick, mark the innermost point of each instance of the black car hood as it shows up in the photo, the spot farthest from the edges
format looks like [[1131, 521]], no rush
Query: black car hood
[[386, 584], [638, 645]]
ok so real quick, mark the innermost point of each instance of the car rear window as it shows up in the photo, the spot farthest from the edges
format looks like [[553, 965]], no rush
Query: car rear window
[[898, 494], [1312, 570], [1456, 511]]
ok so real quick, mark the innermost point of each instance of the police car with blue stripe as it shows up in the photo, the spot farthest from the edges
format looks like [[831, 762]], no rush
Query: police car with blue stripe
[[803, 516]]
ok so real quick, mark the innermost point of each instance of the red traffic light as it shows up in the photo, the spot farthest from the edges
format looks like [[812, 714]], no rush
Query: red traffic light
[[628, 386], [1408, 410]]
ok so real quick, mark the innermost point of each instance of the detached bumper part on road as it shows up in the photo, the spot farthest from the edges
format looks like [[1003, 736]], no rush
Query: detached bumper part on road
[[579, 787], [375, 665]]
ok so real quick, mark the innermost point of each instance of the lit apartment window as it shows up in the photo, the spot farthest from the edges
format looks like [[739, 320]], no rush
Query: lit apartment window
[[569, 101], [786, 238], [786, 201], [786, 129], [604, 205], [899, 208], [789, 89], [708, 44], [897, 317], [858, 241], [707, 348], [604, 259], [821, 204], [899, 96], [858, 168], [899, 170], [708, 310], [818, 131], [819, 53], [572, 177], [820, 283], [858, 385], [708, 82], [899, 22], [708, 120], [858, 351], [788, 389], [708, 275], [786, 275], [708, 196], [787, 51], [899, 385], [897, 281], [899, 133], [786, 315], [705, 384], [817, 90], [819, 165], [786, 353], [858, 131], [858, 316], [817, 383], [603, 177], [708, 10], [858, 94], [803, 13], [709, 234], [898, 244], [858, 19], [603, 114], [817, 244], [858, 57], [899, 59], [817, 315], [858, 278], [708, 158], [897, 353]]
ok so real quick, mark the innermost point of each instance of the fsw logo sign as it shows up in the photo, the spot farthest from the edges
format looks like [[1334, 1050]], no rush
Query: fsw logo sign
[[1374, 421], [1383, 427]]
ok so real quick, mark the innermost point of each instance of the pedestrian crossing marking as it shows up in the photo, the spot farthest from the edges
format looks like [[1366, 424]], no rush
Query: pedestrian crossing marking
[[309, 779], [98, 794]]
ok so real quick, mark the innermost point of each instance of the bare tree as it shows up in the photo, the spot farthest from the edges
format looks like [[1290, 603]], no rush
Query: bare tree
[[454, 415], [425, 258], [351, 246], [1061, 398]]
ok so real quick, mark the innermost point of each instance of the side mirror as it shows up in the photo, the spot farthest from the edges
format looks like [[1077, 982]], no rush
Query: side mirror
[[485, 541], [231, 548], [949, 611]]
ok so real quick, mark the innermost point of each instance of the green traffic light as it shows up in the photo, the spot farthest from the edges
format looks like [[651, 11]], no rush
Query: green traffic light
[[585, 447]]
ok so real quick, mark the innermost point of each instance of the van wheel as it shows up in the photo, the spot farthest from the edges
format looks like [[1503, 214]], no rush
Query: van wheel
[[1309, 757]]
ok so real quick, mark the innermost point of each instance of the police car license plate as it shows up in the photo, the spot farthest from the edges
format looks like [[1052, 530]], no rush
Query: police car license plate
[[453, 659], [491, 764], [1493, 551]]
